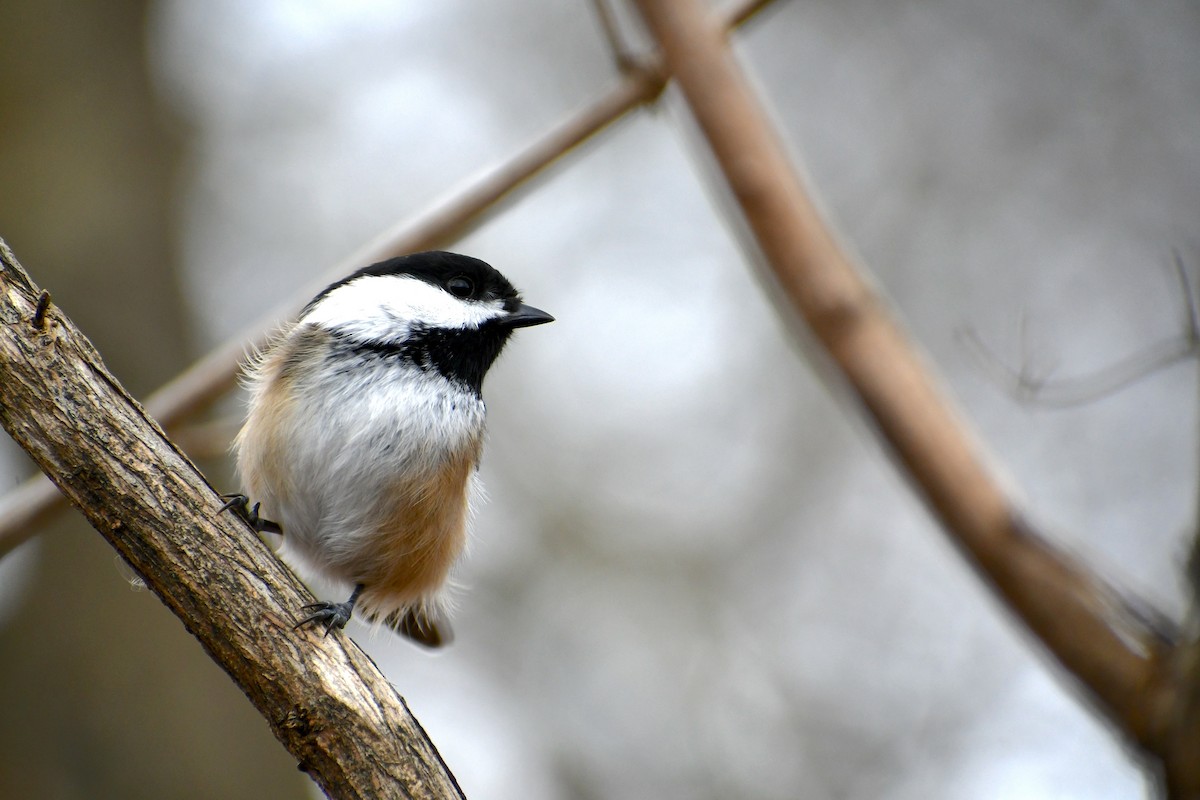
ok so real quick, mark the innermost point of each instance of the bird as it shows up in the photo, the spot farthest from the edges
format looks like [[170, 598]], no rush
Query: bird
[[364, 429]]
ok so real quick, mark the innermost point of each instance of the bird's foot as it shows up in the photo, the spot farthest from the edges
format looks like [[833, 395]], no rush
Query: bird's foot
[[333, 616], [240, 504]]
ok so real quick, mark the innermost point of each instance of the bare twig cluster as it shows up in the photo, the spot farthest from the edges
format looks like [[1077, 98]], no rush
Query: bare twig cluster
[[1032, 383]]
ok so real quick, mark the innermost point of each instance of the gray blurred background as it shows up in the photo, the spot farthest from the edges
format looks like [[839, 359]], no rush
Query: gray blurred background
[[695, 574]]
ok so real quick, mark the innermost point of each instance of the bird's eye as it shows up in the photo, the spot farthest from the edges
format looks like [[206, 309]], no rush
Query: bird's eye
[[460, 286]]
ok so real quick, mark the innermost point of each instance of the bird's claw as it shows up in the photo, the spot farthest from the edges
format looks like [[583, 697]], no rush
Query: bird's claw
[[333, 616], [240, 505], [237, 502]]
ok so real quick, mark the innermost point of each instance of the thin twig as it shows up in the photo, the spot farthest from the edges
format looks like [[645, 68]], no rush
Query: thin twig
[[1071, 392], [1035, 387], [1189, 296], [622, 54]]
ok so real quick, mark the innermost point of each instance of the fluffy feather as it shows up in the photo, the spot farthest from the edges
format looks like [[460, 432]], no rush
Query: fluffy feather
[[365, 427]]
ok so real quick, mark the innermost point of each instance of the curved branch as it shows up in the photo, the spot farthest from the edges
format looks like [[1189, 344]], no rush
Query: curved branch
[[1124, 662], [324, 698]]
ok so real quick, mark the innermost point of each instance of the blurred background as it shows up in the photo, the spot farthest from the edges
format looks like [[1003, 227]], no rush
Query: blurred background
[[696, 574]]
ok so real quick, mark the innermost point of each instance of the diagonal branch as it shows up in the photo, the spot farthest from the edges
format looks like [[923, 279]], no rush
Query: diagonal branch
[[323, 698], [1122, 662]]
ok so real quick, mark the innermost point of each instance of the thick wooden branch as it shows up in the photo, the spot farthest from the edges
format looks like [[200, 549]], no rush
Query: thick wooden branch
[[1121, 662], [323, 698]]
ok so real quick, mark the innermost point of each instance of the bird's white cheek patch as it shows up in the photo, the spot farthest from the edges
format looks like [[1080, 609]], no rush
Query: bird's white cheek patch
[[387, 306]]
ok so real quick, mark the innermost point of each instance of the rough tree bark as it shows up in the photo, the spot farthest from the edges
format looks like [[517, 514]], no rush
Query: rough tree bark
[[323, 697], [1139, 679]]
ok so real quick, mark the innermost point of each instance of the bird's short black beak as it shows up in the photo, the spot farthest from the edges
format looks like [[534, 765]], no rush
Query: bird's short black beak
[[526, 316]]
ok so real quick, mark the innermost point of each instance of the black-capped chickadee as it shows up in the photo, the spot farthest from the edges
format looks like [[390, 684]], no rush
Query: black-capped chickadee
[[364, 431]]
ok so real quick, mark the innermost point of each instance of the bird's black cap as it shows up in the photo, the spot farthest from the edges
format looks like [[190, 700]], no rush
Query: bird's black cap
[[463, 276]]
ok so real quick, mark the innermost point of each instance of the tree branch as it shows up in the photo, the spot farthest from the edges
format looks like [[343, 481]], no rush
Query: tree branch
[[1120, 660], [323, 698]]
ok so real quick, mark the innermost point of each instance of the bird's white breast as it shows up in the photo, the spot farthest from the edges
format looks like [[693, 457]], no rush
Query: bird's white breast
[[329, 452]]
